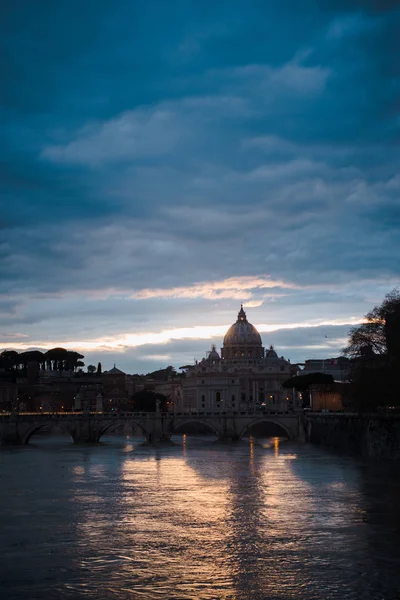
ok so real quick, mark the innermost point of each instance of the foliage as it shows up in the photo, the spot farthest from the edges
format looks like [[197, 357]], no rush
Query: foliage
[[301, 383], [99, 369], [91, 369], [373, 347], [146, 401], [375, 384], [370, 337], [163, 374]]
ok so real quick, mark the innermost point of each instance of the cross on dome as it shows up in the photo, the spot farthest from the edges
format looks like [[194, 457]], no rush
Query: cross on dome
[[242, 314]]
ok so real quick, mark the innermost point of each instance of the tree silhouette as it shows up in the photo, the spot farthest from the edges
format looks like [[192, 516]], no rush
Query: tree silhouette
[[375, 351], [146, 401], [371, 337]]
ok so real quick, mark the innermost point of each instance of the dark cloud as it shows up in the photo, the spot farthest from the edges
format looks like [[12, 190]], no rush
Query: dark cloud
[[208, 142]]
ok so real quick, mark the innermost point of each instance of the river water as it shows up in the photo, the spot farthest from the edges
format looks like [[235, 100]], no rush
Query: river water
[[255, 520]]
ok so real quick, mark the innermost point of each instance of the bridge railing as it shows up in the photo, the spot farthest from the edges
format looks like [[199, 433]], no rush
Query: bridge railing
[[141, 415]]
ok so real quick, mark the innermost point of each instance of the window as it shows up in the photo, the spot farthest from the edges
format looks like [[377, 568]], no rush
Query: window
[[218, 397], [202, 381], [233, 399], [203, 398]]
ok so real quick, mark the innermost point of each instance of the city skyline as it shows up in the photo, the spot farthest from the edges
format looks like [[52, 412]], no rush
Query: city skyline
[[164, 163]]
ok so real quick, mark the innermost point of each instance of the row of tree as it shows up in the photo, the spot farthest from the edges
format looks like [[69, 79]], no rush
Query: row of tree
[[56, 359]]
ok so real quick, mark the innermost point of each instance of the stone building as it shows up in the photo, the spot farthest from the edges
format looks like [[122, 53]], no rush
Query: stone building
[[114, 389], [244, 377], [338, 367]]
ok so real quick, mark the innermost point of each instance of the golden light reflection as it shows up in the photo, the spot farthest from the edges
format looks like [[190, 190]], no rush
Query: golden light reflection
[[276, 447], [129, 447], [181, 524], [78, 470], [184, 444], [251, 455]]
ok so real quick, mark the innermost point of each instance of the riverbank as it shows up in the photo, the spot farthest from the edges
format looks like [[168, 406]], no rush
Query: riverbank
[[372, 435]]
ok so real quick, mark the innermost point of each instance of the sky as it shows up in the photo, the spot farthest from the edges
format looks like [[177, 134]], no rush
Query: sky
[[162, 162]]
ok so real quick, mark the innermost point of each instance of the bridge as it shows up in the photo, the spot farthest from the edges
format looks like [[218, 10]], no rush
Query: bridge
[[18, 428]]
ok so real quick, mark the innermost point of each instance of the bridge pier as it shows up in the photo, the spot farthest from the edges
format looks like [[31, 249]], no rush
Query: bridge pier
[[157, 429], [85, 432], [11, 433], [228, 430]]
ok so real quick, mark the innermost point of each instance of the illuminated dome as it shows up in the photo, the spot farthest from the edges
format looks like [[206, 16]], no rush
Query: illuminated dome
[[242, 340]]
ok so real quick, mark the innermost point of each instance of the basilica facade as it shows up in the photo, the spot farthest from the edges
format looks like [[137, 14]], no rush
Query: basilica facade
[[243, 377]]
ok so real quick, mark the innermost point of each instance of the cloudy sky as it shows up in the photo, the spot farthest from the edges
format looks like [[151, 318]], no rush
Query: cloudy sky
[[161, 162]]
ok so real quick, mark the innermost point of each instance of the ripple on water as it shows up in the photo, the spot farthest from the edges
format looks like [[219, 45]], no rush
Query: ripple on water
[[250, 521]]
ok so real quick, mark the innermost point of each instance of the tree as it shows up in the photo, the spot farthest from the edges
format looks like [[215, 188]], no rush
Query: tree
[[55, 358], [163, 374], [72, 360], [99, 370], [371, 337], [9, 359], [374, 349], [91, 369], [146, 401], [31, 356]]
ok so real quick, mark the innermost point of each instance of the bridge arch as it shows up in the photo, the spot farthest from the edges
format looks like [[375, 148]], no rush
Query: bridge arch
[[115, 424], [195, 421], [259, 421], [38, 426]]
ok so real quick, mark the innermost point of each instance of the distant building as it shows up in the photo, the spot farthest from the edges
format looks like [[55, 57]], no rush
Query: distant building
[[8, 396], [338, 367], [171, 389], [244, 377], [115, 387]]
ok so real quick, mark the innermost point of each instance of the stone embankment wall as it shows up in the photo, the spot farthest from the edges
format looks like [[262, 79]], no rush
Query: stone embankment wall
[[376, 436]]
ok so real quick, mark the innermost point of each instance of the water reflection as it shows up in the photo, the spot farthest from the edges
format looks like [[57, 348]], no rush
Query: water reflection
[[264, 518]]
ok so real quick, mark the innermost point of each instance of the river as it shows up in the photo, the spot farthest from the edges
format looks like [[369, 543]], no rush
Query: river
[[255, 520]]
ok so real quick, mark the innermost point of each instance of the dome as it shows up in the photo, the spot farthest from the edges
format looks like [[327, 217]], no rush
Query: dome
[[242, 333], [213, 354], [271, 353]]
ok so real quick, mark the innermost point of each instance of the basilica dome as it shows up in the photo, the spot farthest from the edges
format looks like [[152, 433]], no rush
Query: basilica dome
[[242, 339]]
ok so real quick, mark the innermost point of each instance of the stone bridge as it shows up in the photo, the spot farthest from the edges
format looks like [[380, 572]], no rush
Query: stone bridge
[[17, 428]]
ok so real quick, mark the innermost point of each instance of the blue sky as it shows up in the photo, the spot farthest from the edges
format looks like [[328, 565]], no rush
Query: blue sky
[[160, 162]]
